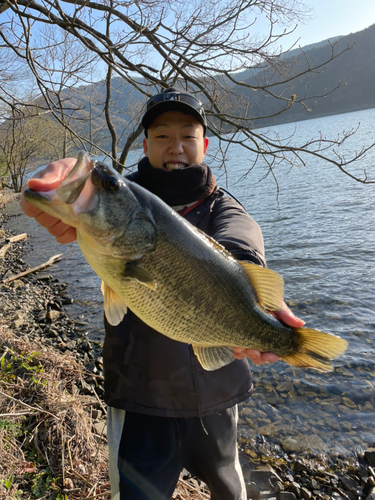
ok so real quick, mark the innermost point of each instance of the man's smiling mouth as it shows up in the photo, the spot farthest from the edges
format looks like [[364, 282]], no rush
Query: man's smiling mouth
[[174, 166]]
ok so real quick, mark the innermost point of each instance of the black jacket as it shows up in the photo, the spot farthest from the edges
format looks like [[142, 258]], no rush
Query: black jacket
[[149, 373]]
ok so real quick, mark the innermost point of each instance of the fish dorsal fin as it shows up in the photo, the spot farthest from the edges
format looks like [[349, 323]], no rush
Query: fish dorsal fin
[[114, 307], [214, 244], [133, 272], [268, 285]]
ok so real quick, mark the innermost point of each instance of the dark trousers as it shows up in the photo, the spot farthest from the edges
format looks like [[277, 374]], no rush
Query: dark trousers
[[150, 452]]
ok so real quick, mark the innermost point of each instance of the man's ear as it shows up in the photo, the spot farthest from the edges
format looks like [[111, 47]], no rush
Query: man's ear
[[145, 146], [206, 141]]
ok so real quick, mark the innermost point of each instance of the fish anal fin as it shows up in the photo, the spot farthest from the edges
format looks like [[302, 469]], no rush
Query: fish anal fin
[[133, 272], [213, 358], [316, 349], [114, 307], [268, 285]]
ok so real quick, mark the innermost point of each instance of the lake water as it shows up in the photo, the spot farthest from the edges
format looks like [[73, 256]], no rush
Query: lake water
[[319, 233]]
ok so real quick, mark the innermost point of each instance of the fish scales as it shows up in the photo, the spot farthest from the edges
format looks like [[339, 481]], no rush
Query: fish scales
[[176, 279], [184, 261]]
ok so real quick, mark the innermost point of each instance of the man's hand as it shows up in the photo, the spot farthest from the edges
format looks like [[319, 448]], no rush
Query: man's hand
[[259, 358], [47, 179]]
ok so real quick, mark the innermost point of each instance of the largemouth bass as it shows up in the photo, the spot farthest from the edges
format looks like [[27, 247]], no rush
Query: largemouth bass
[[175, 278]]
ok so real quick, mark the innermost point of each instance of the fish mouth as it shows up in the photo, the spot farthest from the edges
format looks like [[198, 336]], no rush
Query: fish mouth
[[75, 181], [38, 196], [73, 196]]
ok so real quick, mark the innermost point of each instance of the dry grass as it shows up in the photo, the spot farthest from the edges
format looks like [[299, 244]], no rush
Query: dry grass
[[47, 433], [50, 446]]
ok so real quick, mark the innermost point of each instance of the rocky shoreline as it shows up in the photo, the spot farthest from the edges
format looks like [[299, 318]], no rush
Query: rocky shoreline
[[34, 306]]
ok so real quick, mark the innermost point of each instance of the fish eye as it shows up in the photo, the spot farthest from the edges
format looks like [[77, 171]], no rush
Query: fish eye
[[111, 183]]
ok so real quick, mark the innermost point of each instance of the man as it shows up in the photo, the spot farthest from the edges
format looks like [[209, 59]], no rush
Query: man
[[164, 411]]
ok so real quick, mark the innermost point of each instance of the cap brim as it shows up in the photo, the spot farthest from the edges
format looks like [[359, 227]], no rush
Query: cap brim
[[165, 106]]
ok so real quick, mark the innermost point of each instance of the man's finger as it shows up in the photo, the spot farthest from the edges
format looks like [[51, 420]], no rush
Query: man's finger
[[255, 356], [286, 315]]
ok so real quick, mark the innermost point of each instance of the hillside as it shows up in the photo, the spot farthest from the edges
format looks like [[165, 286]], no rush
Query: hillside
[[355, 69]]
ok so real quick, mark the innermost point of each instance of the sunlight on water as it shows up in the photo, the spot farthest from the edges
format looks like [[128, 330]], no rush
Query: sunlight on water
[[319, 235]]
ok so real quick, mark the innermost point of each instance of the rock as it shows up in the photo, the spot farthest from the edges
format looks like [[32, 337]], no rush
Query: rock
[[101, 427], [86, 388], [290, 444], [17, 321], [347, 426], [307, 442], [287, 495], [72, 344], [67, 301], [53, 315], [99, 391], [294, 488], [252, 490], [8, 275], [92, 368], [68, 484], [85, 345], [349, 483], [96, 414], [371, 495], [300, 466], [305, 493], [18, 284], [44, 277], [264, 477], [270, 429], [52, 333], [314, 484], [370, 456], [332, 423], [349, 403], [91, 380], [278, 486]]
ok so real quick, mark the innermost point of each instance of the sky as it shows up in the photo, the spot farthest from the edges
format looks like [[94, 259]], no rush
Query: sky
[[333, 18]]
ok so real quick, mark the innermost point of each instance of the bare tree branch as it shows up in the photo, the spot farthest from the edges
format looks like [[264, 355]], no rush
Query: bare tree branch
[[92, 65]]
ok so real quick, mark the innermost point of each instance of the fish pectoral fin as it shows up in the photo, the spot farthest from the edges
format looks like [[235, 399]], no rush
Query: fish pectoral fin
[[114, 307], [133, 272], [268, 285], [316, 349], [212, 358]]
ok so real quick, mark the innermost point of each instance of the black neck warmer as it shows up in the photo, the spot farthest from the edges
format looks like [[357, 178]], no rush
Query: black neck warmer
[[177, 187]]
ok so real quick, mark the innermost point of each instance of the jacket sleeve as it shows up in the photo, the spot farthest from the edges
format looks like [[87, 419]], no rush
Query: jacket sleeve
[[232, 227]]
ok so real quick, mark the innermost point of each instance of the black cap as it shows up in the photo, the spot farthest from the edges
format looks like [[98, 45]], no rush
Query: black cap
[[173, 99]]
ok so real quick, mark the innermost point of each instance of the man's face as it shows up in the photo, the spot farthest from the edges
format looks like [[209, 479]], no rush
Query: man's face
[[175, 141]]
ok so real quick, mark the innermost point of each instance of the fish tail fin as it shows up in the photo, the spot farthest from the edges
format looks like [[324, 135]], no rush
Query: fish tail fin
[[316, 349]]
